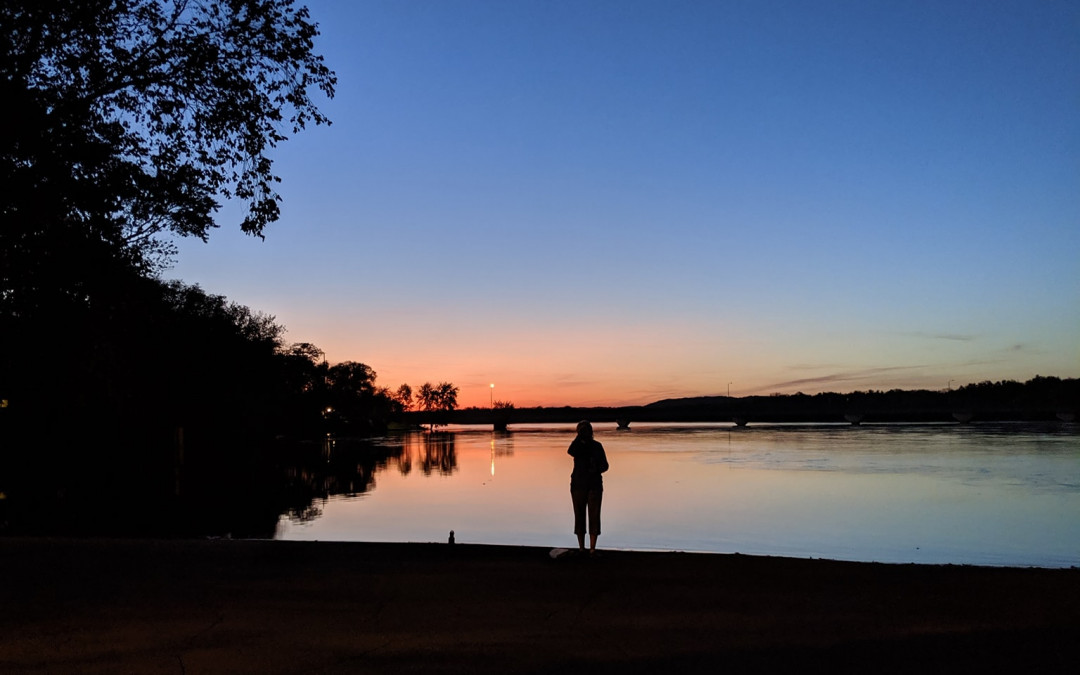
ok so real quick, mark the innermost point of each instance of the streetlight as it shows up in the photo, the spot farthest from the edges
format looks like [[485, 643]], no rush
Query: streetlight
[[491, 397], [729, 389]]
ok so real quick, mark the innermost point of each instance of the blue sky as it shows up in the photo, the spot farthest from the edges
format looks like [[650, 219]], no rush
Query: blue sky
[[617, 202]]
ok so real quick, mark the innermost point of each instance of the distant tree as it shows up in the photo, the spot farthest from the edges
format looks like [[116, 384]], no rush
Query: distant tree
[[352, 379], [404, 396], [440, 398], [502, 412], [355, 404]]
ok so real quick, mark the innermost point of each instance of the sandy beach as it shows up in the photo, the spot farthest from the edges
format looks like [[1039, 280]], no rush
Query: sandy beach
[[210, 606]]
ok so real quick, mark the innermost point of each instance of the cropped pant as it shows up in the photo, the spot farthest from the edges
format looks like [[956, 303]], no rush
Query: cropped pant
[[587, 500]]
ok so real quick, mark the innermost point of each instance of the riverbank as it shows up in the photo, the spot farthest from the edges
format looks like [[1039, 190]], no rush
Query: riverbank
[[282, 607]]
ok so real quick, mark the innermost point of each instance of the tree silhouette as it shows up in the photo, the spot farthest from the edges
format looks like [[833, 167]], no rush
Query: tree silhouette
[[404, 396], [131, 121], [137, 118], [440, 398]]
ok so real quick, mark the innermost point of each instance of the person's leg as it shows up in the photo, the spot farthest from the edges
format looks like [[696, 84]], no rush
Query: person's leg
[[595, 498], [580, 499]]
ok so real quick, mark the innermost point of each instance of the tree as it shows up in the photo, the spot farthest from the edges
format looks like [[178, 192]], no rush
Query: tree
[[351, 397], [136, 118], [404, 397], [441, 398], [302, 377], [501, 412], [351, 379], [130, 122]]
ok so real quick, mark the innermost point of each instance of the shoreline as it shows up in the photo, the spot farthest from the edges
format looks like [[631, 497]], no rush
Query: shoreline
[[101, 605], [1057, 565]]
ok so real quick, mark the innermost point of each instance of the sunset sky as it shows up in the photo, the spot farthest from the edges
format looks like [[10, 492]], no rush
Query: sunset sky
[[609, 203]]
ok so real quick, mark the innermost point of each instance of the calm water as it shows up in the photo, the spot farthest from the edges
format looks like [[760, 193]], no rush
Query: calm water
[[1003, 494]]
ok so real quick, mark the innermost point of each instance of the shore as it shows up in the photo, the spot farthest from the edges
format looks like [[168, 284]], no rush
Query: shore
[[208, 606]]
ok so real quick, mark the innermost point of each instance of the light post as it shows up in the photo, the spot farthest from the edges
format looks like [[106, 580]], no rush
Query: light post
[[729, 390], [491, 397]]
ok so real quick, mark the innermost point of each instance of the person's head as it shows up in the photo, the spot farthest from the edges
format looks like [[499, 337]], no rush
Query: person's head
[[584, 429]]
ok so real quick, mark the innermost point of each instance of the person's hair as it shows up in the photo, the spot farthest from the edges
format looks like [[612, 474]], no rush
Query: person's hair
[[584, 429]]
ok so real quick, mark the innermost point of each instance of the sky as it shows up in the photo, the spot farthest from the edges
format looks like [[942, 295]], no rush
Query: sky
[[613, 203]]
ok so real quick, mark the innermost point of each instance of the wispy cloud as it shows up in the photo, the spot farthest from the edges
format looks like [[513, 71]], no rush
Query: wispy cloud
[[813, 366], [834, 378], [570, 380], [955, 337]]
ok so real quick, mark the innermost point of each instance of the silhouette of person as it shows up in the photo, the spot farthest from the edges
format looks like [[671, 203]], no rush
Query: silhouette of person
[[587, 484]]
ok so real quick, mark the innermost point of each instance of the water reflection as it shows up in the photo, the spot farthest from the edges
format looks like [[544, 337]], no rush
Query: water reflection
[[439, 455], [991, 494], [348, 468], [502, 445], [977, 493]]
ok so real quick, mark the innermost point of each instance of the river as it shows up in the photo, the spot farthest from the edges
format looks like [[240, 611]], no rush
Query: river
[[984, 494]]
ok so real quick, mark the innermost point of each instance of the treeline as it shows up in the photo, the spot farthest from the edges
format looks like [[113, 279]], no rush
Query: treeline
[[126, 401], [156, 393], [1041, 398], [1038, 399]]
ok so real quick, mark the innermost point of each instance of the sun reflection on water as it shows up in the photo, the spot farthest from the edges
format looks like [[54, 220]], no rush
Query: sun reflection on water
[[897, 494]]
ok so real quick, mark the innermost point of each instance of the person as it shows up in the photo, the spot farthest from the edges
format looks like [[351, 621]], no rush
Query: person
[[587, 484]]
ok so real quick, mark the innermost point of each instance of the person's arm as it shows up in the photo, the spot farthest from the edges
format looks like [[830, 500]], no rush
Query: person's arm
[[574, 450], [601, 459]]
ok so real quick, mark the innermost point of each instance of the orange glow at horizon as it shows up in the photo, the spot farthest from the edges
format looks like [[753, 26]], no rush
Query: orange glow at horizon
[[619, 361], [606, 363]]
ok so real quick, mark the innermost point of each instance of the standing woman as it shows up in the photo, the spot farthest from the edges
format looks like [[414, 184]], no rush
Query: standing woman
[[586, 483]]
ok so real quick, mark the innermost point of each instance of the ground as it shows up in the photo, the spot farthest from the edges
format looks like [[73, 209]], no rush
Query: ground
[[105, 606]]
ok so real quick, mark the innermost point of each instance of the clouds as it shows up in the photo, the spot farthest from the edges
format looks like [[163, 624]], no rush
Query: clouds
[[955, 337], [841, 381]]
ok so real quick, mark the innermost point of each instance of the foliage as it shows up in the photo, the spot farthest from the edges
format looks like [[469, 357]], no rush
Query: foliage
[[502, 412], [340, 400], [172, 393], [353, 404], [404, 397], [125, 392], [1040, 398], [440, 398], [135, 118]]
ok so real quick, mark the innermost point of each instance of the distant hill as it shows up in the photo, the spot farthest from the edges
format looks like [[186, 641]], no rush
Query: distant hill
[[1041, 398], [692, 401], [1038, 399]]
